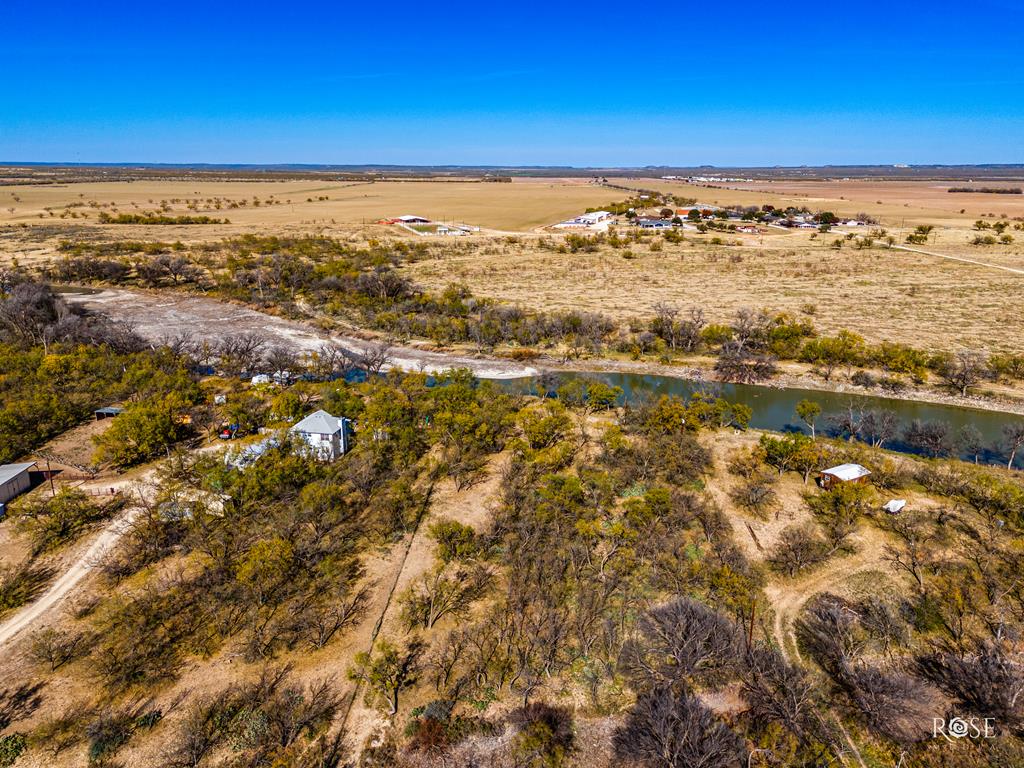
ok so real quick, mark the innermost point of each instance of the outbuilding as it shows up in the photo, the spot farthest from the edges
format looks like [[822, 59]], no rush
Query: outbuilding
[[14, 480], [645, 222], [844, 473]]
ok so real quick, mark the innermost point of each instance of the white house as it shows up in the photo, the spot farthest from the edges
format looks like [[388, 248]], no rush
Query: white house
[[586, 219], [324, 434], [14, 480]]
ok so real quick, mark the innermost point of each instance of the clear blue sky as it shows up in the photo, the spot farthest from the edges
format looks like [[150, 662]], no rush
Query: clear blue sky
[[687, 83]]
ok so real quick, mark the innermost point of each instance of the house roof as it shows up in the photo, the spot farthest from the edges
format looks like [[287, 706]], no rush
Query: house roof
[[847, 471], [10, 471], [319, 423]]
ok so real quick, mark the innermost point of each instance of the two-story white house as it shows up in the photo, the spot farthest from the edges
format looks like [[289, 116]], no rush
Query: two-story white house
[[324, 434]]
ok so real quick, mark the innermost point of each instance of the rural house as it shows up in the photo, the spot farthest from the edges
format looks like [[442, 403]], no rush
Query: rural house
[[14, 480], [324, 434], [652, 223], [844, 473]]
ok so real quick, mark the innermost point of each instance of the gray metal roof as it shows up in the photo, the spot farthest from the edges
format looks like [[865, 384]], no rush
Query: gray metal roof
[[10, 471], [319, 423]]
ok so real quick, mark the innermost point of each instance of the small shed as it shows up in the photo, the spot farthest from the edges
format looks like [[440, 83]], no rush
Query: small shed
[[14, 480], [108, 412], [844, 473]]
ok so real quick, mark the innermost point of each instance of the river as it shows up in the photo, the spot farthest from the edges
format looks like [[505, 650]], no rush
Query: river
[[774, 407], [156, 316]]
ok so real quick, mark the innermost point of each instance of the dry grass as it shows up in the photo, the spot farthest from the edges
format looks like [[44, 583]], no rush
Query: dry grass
[[880, 293], [521, 205]]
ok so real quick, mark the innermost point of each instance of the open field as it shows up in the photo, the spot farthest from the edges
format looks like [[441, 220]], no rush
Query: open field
[[522, 205], [883, 294]]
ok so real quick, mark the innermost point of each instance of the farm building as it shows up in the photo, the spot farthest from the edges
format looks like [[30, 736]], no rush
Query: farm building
[[324, 434], [407, 219], [586, 219], [650, 223], [844, 473], [14, 480]]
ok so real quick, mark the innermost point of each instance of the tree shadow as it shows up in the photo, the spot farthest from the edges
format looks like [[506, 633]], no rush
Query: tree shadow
[[20, 702]]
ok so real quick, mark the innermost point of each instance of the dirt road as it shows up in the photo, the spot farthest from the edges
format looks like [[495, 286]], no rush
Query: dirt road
[[960, 258], [81, 568], [159, 316]]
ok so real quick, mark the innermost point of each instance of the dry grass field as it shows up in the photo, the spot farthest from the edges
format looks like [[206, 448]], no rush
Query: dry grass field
[[881, 293], [520, 206]]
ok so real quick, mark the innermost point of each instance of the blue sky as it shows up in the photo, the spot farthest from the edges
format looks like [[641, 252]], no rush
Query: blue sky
[[552, 83]]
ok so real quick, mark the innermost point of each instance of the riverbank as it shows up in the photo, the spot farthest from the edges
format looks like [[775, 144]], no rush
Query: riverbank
[[160, 315]]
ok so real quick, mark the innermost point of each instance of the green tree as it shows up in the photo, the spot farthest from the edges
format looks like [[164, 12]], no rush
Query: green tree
[[808, 411], [387, 672], [145, 430]]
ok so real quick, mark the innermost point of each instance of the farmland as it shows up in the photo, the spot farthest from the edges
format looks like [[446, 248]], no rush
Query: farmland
[[486, 576], [881, 293], [522, 205]]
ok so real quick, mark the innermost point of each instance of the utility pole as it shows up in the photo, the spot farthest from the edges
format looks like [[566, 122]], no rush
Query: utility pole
[[49, 476]]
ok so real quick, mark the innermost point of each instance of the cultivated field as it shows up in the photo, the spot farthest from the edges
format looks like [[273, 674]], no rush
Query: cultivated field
[[519, 206]]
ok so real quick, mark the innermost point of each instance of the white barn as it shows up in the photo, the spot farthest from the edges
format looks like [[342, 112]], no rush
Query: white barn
[[14, 480], [324, 434]]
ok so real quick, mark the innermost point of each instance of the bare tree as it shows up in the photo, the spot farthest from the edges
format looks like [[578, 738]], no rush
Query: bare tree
[[666, 729], [988, 682], [240, 352], [681, 641], [779, 692], [879, 426], [280, 359], [930, 437], [1013, 437], [737, 363], [373, 358], [963, 370]]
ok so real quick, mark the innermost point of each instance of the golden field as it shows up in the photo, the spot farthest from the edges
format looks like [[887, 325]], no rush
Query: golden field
[[520, 206], [881, 293]]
